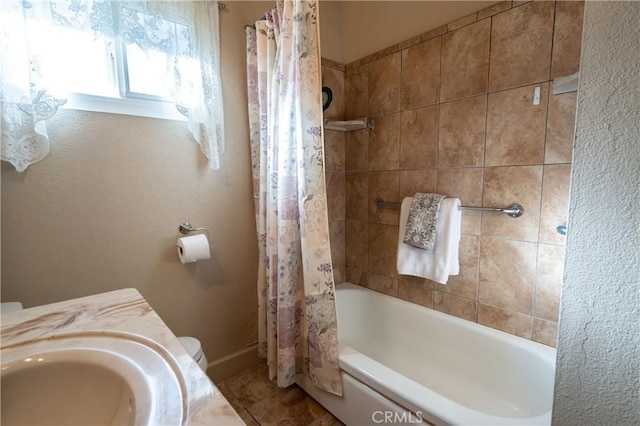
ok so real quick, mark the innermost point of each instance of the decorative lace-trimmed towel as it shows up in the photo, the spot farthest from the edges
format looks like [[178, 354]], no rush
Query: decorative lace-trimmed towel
[[423, 218]]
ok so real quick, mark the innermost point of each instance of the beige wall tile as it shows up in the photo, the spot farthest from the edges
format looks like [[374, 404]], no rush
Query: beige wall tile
[[357, 276], [336, 195], [454, 305], [465, 61], [357, 150], [506, 185], [421, 74], [334, 150], [465, 284], [383, 247], [383, 284], [357, 195], [385, 185], [567, 38], [463, 22], [419, 138], [436, 32], [410, 42], [494, 9], [356, 90], [416, 281], [339, 274], [357, 244], [412, 181], [369, 58], [516, 127], [507, 272], [461, 132], [509, 322], [386, 51], [337, 238], [352, 66], [334, 79], [415, 290], [561, 121], [328, 63], [490, 149], [471, 223], [384, 143], [521, 45], [465, 184], [549, 281], [384, 85], [545, 332], [555, 202]]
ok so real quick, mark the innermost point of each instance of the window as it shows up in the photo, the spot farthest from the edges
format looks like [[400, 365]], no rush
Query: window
[[108, 75], [149, 58], [120, 79]]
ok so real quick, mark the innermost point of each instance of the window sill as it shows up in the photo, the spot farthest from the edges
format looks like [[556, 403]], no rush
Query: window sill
[[126, 106]]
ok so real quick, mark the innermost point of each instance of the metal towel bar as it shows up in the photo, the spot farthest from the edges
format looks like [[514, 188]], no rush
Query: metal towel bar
[[513, 210]]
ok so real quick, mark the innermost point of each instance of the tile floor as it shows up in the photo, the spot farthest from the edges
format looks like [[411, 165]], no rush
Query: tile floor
[[259, 401]]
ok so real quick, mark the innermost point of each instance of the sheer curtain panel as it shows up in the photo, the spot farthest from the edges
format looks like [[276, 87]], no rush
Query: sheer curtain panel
[[32, 89]]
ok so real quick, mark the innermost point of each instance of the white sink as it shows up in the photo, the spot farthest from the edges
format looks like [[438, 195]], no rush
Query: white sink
[[91, 379]]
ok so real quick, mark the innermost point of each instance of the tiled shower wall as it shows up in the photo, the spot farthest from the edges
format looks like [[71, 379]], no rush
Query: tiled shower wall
[[333, 77], [454, 114]]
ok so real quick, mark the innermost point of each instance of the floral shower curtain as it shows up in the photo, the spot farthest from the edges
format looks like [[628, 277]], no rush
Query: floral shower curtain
[[187, 32], [296, 292]]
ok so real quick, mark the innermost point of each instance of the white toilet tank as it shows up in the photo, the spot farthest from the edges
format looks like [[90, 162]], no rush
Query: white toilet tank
[[6, 307], [194, 348]]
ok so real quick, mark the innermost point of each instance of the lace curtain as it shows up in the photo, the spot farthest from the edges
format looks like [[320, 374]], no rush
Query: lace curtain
[[297, 324], [186, 32]]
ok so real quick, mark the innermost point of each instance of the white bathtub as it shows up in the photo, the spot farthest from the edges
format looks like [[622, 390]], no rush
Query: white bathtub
[[406, 364]]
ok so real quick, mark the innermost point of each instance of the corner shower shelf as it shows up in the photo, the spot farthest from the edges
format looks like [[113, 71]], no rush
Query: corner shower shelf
[[346, 126]]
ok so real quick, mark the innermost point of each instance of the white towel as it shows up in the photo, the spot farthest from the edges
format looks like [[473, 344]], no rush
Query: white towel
[[442, 261]]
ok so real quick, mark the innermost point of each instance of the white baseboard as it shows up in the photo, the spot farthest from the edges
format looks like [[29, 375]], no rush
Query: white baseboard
[[221, 369]]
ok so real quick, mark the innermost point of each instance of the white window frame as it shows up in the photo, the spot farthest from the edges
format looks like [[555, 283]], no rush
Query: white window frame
[[127, 102]]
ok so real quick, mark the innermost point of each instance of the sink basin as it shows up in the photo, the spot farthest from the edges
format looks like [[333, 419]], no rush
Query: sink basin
[[91, 379]]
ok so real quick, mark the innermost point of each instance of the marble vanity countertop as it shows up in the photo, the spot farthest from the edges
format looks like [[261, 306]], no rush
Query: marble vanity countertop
[[121, 311]]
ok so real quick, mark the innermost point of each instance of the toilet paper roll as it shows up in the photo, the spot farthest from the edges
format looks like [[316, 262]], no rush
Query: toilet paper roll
[[193, 248]]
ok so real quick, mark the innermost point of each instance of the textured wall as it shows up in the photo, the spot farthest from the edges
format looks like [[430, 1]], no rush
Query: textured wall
[[331, 30], [102, 213], [598, 349], [454, 114]]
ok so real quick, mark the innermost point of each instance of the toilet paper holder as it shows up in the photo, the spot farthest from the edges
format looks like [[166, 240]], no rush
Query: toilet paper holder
[[186, 228]]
